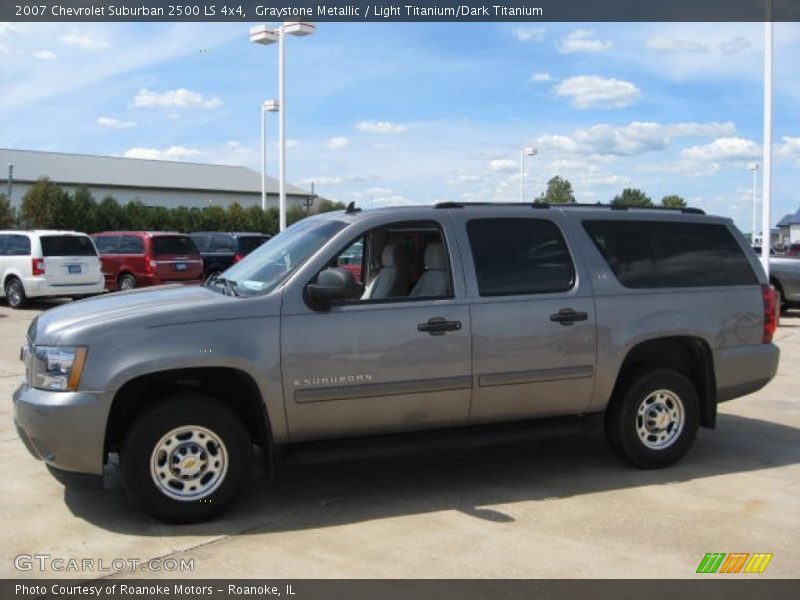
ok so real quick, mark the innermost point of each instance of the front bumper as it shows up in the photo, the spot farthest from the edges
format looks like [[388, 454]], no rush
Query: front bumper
[[64, 429]]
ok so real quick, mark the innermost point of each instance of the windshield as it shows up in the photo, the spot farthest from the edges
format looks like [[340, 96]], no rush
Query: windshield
[[272, 262]]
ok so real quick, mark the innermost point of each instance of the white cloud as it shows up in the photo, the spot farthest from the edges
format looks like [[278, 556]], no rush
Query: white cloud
[[86, 41], [378, 191], [171, 153], [337, 143], [735, 45], [583, 40], [381, 127], [180, 97], [44, 55], [723, 149], [670, 44], [628, 140], [333, 180], [7, 29], [392, 200], [503, 165], [113, 123], [541, 76], [591, 91], [789, 149], [529, 34]]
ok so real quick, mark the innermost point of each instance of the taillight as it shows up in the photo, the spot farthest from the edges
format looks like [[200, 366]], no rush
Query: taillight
[[149, 265], [770, 312], [237, 258], [37, 266]]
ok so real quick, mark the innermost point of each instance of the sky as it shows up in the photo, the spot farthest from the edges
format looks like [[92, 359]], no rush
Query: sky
[[388, 114]]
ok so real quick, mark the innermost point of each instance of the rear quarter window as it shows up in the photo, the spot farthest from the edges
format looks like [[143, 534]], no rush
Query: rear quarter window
[[669, 254], [182, 245], [16, 245], [67, 245]]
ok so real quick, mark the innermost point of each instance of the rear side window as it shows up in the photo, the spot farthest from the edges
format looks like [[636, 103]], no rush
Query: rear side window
[[662, 254], [222, 243], [106, 244], [67, 245], [131, 244], [520, 256], [250, 243], [17, 245], [203, 242], [173, 244]]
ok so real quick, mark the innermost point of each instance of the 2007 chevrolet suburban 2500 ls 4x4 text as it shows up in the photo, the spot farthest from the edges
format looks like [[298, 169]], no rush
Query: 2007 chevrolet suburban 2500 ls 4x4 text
[[460, 315]]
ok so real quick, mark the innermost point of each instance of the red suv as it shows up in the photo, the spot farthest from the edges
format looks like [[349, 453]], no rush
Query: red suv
[[132, 259]]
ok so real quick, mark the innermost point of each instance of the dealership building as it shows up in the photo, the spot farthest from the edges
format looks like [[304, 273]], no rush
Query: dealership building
[[153, 182]]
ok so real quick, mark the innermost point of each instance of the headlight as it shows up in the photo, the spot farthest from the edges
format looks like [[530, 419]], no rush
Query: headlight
[[56, 368]]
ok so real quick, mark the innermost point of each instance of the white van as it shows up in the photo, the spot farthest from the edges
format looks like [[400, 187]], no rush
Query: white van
[[43, 263]]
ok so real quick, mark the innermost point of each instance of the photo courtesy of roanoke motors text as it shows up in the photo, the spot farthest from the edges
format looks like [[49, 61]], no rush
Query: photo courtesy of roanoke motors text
[[332, 300]]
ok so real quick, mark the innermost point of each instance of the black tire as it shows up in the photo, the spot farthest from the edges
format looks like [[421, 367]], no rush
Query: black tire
[[126, 281], [178, 411], [15, 293], [623, 421]]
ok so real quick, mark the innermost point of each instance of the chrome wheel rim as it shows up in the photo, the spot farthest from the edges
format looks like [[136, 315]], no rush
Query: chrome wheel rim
[[189, 463], [14, 294], [660, 419]]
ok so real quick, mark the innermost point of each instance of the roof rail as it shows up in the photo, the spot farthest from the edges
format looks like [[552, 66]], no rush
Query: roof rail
[[545, 205]]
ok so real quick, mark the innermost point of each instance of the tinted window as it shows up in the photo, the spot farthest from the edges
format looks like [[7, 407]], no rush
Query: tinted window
[[67, 245], [203, 242], [250, 243], [222, 243], [173, 244], [131, 244], [106, 244], [17, 245], [660, 254], [519, 256]]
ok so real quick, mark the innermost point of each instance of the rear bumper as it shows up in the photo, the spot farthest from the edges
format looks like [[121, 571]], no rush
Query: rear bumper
[[38, 287], [742, 370], [64, 429]]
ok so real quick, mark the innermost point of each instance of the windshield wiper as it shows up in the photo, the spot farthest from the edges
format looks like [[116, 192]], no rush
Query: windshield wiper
[[228, 284]]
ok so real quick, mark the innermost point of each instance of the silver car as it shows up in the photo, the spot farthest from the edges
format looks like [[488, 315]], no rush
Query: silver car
[[443, 317]]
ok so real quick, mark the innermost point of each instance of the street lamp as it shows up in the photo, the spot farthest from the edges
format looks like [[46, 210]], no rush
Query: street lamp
[[268, 106], [766, 179], [262, 34], [523, 153], [753, 166]]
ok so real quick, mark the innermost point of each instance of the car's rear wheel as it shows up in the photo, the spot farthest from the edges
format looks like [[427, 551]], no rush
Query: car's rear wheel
[[126, 281], [186, 459], [653, 419], [15, 293]]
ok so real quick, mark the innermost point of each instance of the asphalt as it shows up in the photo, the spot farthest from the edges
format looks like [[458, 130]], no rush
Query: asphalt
[[557, 508]]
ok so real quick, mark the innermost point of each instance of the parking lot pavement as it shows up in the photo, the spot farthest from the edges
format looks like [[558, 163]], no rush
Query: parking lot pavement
[[557, 508]]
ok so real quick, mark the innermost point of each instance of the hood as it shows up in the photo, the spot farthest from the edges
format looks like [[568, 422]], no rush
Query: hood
[[145, 307]]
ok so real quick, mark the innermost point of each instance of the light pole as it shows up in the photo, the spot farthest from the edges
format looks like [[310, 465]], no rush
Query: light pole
[[528, 151], [268, 106], [264, 35], [753, 166], [10, 179], [766, 179]]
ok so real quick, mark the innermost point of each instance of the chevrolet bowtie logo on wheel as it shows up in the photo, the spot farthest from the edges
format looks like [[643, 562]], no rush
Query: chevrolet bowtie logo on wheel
[[736, 562]]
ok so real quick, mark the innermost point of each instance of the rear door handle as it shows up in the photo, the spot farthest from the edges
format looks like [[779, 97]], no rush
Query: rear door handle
[[568, 316], [438, 326]]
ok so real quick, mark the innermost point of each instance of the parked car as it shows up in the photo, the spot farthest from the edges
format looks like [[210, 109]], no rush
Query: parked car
[[43, 263], [784, 274], [793, 250], [647, 318], [220, 250], [134, 259]]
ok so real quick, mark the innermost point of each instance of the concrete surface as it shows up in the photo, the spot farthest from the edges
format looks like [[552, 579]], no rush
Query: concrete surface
[[558, 508]]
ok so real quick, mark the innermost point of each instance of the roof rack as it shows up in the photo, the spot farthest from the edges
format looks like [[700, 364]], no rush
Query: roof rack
[[351, 208], [545, 205]]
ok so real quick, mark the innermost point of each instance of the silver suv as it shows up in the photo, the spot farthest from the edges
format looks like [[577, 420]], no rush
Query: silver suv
[[439, 317]]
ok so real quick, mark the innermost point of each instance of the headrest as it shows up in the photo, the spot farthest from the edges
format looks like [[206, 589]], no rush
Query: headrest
[[434, 257], [395, 255]]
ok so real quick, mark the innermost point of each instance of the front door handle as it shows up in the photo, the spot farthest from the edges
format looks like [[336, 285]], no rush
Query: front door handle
[[568, 316], [438, 326]]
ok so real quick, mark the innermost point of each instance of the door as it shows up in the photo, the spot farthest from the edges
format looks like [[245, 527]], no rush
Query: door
[[533, 319], [107, 248], [394, 360], [3, 239], [70, 260]]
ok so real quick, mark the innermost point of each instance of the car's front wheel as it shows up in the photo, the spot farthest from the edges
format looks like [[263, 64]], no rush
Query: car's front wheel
[[186, 459], [653, 419]]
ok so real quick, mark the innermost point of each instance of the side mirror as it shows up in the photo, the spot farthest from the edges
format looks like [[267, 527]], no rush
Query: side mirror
[[333, 285]]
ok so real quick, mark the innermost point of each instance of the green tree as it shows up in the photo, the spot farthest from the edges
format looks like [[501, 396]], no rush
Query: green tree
[[295, 214], [40, 205], [84, 207], [559, 191], [159, 218], [237, 217], [673, 201], [186, 220], [632, 197], [110, 216], [325, 205], [213, 218], [7, 216]]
